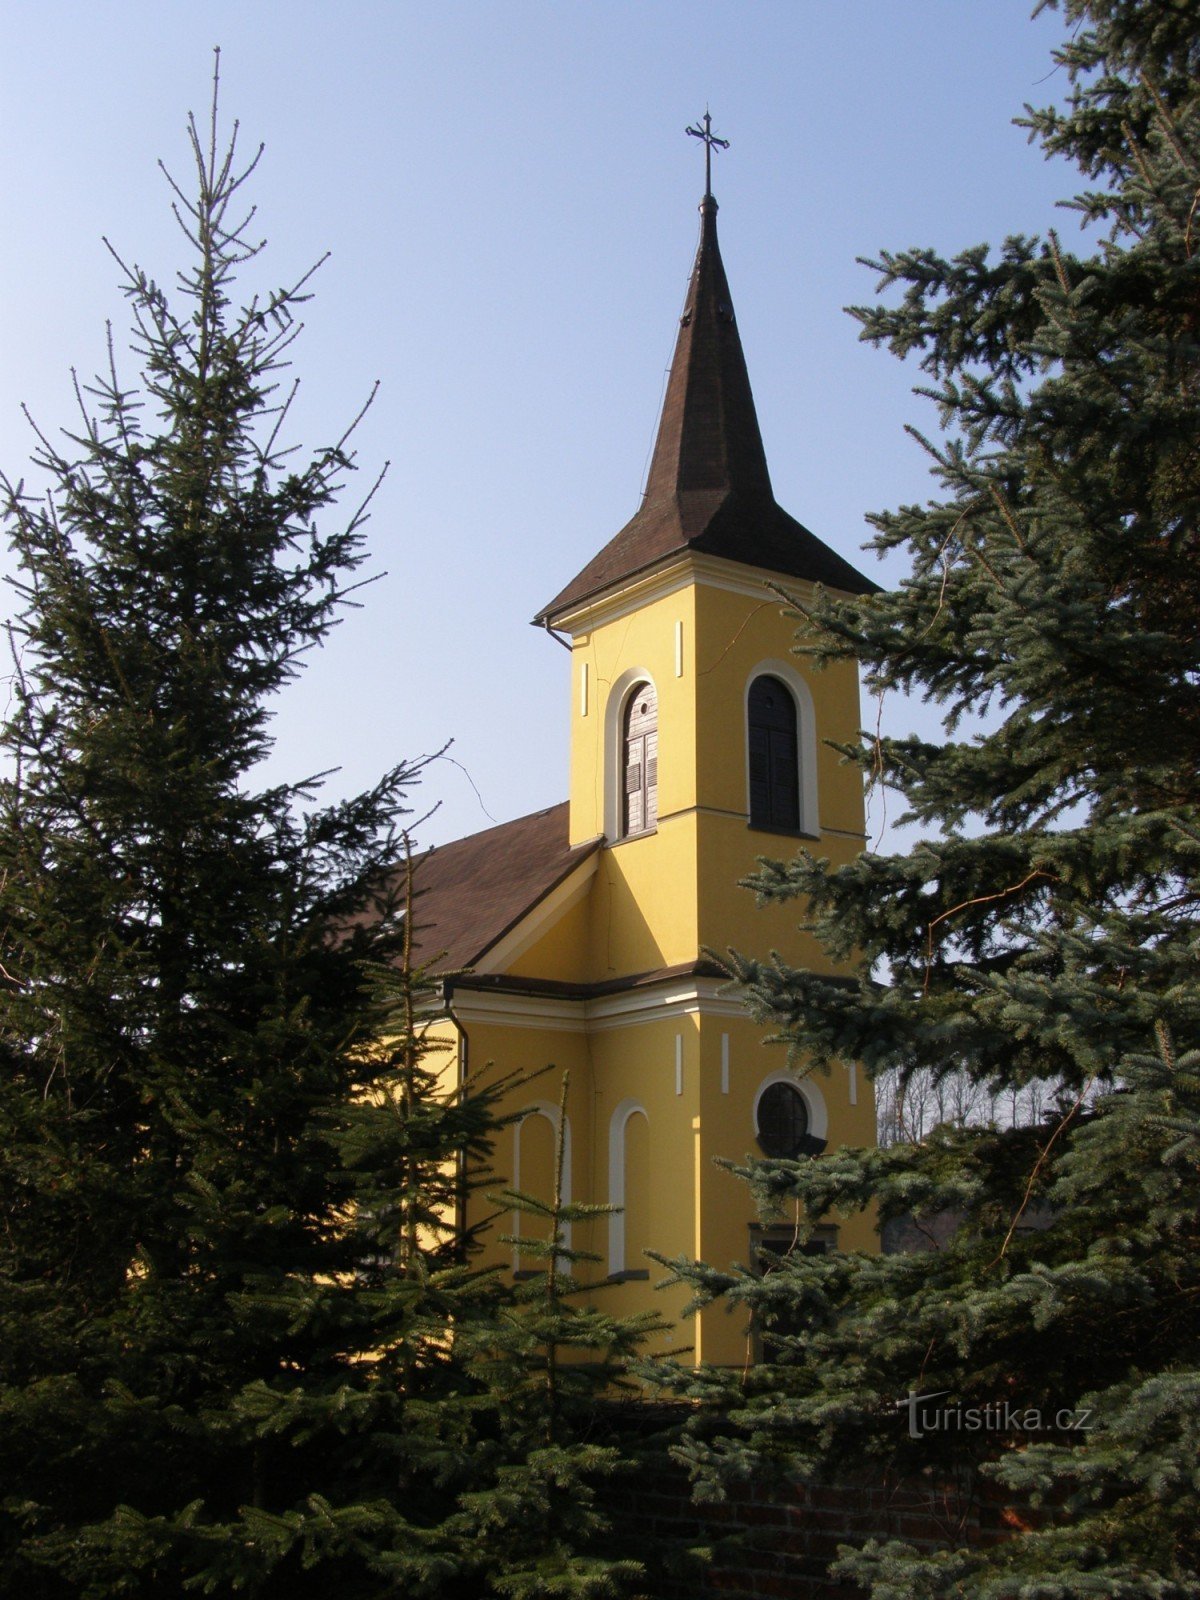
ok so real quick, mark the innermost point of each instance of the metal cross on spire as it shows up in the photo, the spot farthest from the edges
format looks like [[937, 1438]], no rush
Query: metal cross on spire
[[710, 139]]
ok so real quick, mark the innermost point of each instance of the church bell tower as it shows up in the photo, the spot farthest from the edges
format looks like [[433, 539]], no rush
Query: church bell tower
[[699, 741]]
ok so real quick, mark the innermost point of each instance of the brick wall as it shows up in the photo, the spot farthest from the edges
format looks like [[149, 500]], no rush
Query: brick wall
[[779, 1541]]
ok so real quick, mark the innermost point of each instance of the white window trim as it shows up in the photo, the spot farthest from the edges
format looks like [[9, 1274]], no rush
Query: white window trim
[[806, 737], [616, 1180]]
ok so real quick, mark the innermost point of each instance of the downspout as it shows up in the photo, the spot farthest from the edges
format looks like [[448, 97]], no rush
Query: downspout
[[460, 1181], [557, 637]]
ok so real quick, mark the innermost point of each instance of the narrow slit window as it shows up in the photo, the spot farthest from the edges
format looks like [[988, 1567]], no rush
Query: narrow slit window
[[774, 757], [639, 747]]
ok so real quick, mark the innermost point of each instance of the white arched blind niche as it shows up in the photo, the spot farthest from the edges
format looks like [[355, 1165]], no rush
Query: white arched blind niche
[[551, 1113], [618, 1127]]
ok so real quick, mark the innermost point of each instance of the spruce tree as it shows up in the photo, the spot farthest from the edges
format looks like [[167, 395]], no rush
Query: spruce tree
[[230, 1285], [1044, 925], [554, 1370]]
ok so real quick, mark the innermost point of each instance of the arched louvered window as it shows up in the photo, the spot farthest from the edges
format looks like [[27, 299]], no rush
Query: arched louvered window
[[639, 748], [774, 756]]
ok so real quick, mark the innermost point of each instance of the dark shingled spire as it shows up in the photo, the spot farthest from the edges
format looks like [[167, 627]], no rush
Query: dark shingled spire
[[709, 489], [708, 439]]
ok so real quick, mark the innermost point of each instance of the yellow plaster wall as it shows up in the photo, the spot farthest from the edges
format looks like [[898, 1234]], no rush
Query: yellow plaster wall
[[656, 900], [737, 632], [727, 1132], [637, 1062], [544, 1054], [729, 916], [639, 913], [686, 1204], [653, 902], [608, 1067], [643, 901], [681, 1202], [441, 1039], [564, 951], [643, 639]]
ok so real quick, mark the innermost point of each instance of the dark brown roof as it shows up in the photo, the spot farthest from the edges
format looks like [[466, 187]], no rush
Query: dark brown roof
[[472, 892], [709, 489]]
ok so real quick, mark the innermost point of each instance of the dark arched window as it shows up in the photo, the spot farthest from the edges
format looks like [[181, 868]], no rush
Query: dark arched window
[[639, 748], [782, 1120], [774, 762]]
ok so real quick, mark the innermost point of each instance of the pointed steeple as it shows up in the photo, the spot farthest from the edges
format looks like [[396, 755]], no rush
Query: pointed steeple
[[708, 435], [709, 489]]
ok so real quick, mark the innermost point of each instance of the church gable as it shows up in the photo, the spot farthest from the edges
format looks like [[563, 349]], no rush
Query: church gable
[[477, 894]]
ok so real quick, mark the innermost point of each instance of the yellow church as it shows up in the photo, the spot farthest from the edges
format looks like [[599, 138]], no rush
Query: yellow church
[[577, 936]]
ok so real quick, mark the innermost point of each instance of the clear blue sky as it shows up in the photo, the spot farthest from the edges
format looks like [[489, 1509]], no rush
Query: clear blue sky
[[510, 200]]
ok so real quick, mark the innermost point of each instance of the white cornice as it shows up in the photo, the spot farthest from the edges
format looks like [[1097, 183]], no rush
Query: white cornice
[[654, 1003], [676, 997], [673, 573], [736, 578], [667, 577]]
